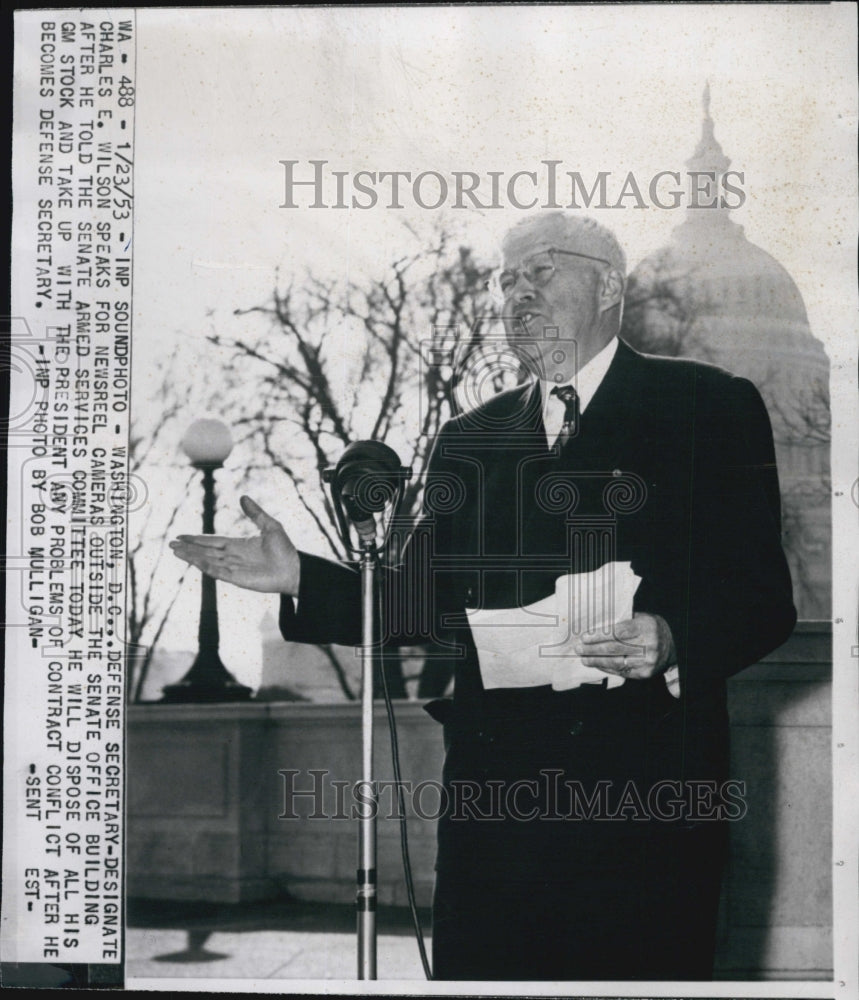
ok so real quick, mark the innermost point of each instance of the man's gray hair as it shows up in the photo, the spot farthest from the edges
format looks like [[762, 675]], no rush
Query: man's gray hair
[[577, 233]]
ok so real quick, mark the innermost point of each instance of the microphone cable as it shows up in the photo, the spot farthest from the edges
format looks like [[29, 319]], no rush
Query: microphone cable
[[401, 805]]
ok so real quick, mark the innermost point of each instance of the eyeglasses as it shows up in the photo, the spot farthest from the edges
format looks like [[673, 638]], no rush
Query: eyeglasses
[[539, 269]]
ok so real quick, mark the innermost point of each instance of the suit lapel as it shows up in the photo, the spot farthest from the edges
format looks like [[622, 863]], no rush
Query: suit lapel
[[605, 443], [611, 419], [497, 438]]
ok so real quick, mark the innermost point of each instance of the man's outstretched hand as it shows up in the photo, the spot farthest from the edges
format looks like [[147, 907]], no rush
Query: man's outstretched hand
[[268, 563]]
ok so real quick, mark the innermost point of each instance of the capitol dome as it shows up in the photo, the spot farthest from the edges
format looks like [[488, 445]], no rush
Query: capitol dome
[[714, 296]]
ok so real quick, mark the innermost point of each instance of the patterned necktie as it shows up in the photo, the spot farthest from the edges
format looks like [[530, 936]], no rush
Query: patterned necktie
[[569, 397]]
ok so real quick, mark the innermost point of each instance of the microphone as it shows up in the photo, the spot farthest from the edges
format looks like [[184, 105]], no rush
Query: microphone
[[367, 477]]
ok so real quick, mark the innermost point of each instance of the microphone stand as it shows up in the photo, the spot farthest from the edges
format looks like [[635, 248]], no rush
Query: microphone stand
[[365, 899], [364, 494]]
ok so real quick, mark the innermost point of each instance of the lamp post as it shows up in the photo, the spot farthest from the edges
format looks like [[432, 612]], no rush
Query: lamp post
[[207, 443]]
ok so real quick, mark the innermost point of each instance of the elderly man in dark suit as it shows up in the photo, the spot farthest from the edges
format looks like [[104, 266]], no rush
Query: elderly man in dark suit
[[586, 823]]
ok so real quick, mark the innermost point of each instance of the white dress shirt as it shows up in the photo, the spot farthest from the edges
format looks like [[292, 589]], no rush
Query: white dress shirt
[[586, 381]]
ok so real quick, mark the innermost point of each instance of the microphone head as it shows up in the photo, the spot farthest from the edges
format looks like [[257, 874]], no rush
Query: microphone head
[[376, 454], [367, 478]]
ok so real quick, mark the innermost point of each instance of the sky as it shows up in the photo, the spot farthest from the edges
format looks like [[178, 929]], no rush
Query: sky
[[224, 96]]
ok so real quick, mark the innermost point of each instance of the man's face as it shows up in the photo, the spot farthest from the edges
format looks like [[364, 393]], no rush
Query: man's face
[[559, 325]]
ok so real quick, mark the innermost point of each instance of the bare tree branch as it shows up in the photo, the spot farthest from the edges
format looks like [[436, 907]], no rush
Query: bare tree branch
[[281, 384]]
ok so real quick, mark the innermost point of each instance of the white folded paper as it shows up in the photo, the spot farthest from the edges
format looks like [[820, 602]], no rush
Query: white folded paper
[[532, 646]]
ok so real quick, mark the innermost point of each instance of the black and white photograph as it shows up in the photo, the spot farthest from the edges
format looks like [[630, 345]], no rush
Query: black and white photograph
[[432, 501]]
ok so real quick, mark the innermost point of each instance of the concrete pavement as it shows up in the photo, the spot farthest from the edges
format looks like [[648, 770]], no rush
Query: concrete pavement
[[282, 939]]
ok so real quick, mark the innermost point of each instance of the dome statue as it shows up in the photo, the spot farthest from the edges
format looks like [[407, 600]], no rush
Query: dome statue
[[714, 296]]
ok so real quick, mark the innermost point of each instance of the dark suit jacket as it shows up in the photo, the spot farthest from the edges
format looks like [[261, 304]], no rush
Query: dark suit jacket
[[673, 470]]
